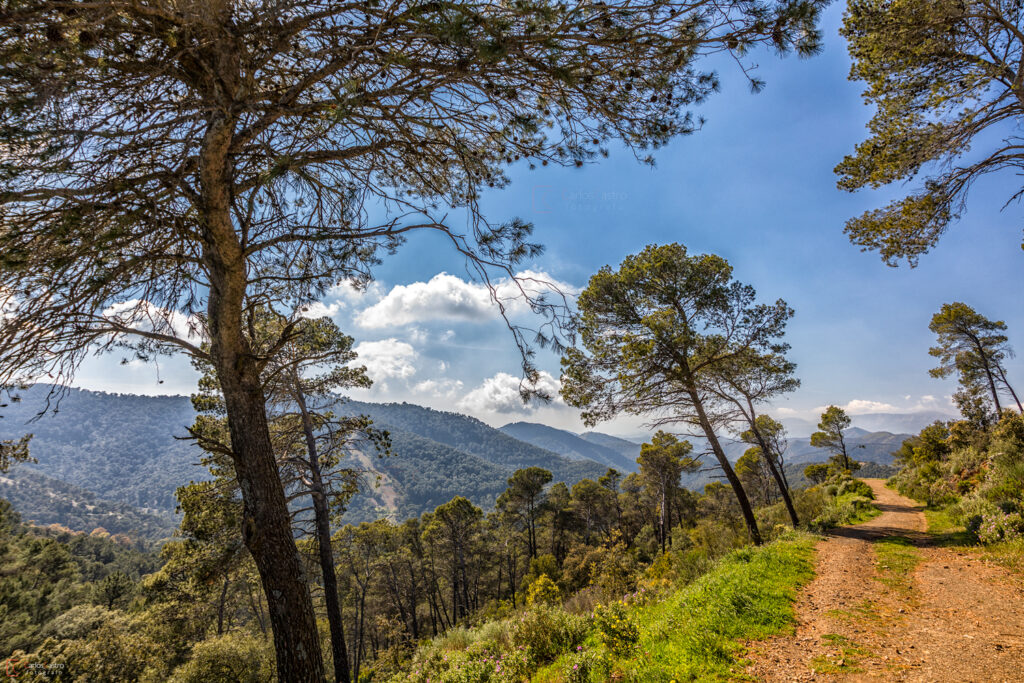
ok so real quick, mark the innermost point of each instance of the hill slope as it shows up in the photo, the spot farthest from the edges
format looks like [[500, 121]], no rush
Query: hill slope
[[472, 436], [119, 446], [119, 450], [42, 501], [569, 445]]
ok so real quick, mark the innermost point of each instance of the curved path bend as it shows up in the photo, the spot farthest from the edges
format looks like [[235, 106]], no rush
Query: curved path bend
[[950, 617]]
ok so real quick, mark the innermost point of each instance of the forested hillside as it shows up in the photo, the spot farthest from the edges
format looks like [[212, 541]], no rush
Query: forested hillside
[[575, 447], [43, 500], [119, 454], [119, 446], [470, 435]]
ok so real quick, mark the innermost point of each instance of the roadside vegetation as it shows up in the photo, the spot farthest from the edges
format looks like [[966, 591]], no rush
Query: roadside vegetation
[[970, 472], [673, 627]]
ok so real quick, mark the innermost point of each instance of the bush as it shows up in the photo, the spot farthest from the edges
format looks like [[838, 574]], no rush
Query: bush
[[848, 509], [231, 657], [1000, 526], [548, 632], [543, 591], [616, 628], [857, 487], [578, 665]]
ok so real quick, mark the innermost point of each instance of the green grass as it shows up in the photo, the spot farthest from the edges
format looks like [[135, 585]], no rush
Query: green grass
[[948, 534], [849, 508], [944, 530], [690, 632], [895, 559], [695, 633], [864, 611], [846, 659]]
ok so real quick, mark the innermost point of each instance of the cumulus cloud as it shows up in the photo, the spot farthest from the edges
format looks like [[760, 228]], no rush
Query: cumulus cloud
[[386, 358], [318, 309], [447, 297], [500, 394], [860, 406], [439, 388]]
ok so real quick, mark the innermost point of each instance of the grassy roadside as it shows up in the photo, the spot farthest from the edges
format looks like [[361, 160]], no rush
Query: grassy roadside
[[695, 632], [947, 533], [687, 631], [853, 507]]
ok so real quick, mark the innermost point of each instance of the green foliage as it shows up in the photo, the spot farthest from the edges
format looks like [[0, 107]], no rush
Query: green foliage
[[46, 501], [616, 628], [830, 437], [846, 501], [543, 591], [694, 632], [231, 657], [934, 70], [121, 448], [817, 472], [547, 632], [975, 349]]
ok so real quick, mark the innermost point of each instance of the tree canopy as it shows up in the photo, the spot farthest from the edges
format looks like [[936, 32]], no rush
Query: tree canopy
[[946, 76], [170, 168], [975, 348], [657, 334], [830, 436]]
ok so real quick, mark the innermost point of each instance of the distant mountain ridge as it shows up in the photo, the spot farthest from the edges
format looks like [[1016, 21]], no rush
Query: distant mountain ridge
[[573, 446], [109, 450], [120, 449]]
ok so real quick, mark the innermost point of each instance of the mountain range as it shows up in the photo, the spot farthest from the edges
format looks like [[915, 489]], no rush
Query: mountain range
[[115, 460]]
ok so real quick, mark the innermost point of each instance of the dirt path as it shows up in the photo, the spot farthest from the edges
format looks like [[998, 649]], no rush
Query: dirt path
[[881, 608]]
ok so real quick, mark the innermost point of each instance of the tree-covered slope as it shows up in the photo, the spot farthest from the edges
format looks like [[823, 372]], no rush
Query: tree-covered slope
[[119, 446], [569, 445], [112, 451], [624, 447], [42, 501], [472, 436], [420, 475]]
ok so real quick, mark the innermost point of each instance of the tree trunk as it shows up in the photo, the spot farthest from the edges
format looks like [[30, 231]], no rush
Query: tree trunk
[[782, 483], [1006, 383], [220, 605], [266, 524], [784, 490], [323, 541], [267, 531], [730, 474]]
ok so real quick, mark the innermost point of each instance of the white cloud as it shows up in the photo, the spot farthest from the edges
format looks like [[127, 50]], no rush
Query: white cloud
[[500, 394], [787, 412], [439, 388], [860, 406], [386, 358], [446, 297], [318, 309]]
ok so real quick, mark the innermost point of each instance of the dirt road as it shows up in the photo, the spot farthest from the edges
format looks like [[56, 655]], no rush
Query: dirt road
[[887, 604]]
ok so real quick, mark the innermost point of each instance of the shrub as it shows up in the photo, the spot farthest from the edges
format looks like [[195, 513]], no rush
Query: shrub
[[548, 632], [847, 509], [230, 657], [857, 487], [578, 665], [1000, 526], [616, 628], [543, 591]]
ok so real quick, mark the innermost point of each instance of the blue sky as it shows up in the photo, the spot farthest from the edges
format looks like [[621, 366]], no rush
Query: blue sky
[[755, 186]]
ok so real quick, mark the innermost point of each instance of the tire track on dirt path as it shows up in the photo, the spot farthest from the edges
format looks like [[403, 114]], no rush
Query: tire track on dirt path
[[952, 617]]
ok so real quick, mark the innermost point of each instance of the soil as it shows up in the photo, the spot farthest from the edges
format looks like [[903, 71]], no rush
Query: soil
[[953, 617]]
